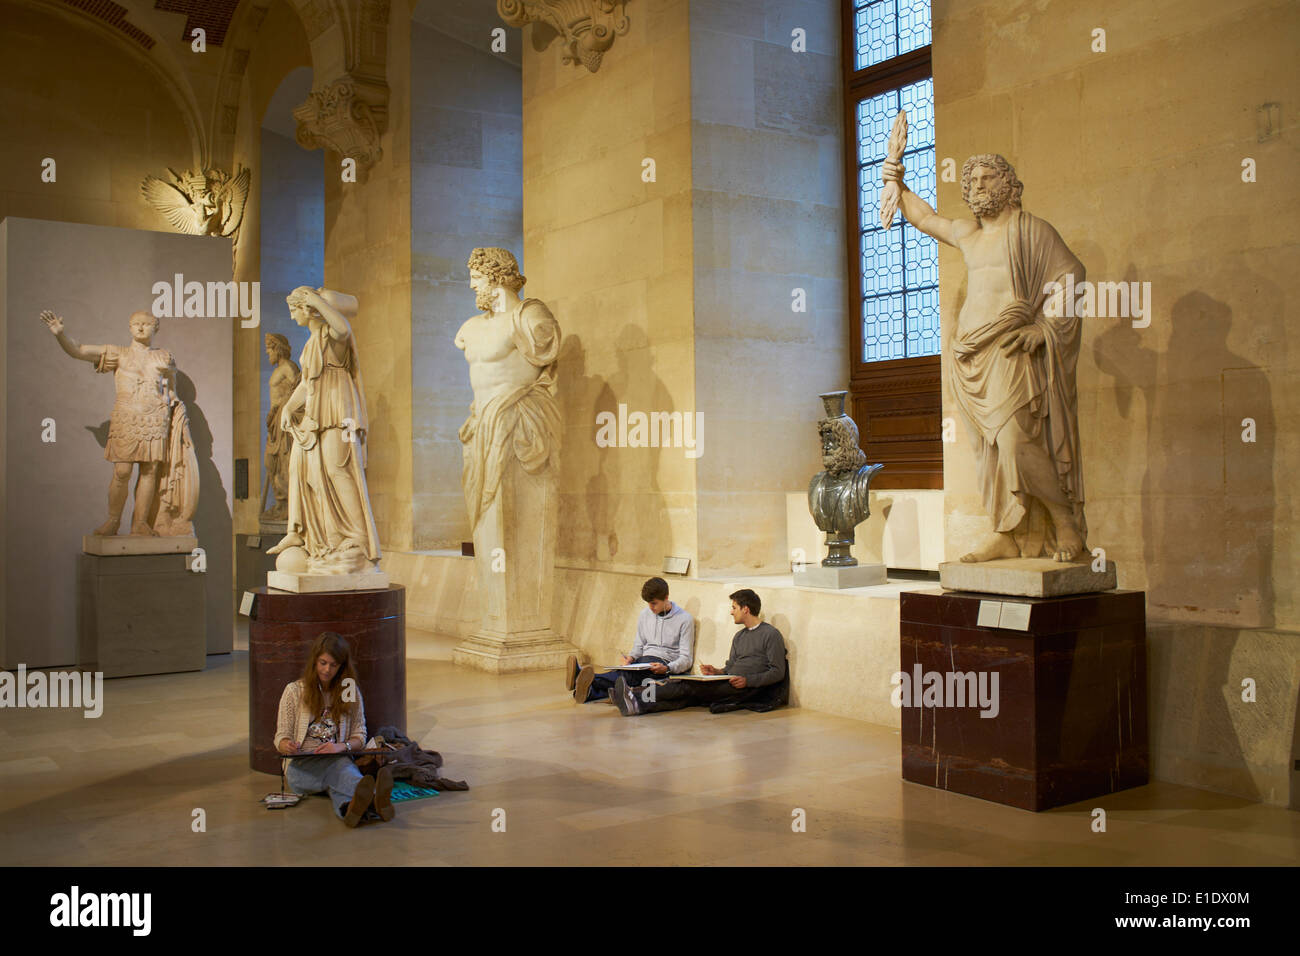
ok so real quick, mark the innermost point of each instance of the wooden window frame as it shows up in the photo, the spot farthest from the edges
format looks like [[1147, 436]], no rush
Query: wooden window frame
[[897, 403]]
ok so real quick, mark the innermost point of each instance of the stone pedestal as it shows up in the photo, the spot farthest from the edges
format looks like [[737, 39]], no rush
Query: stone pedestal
[[514, 548], [1026, 577], [303, 583], [1071, 702], [119, 544], [140, 614], [838, 578], [281, 629]]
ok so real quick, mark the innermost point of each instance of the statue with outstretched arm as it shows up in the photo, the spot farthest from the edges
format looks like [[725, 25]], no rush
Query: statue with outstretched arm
[[1011, 360], [148, 428]]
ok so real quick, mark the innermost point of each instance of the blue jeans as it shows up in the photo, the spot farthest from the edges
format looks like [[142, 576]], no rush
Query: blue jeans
[[334, 774], [601, 685]]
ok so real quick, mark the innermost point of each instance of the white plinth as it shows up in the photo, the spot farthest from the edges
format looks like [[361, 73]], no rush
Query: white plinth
[[858, 576], [1026, 577], [313, 583], [111, 545]]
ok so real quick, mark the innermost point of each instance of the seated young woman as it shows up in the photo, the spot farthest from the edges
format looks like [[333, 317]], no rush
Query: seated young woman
[[317, 715]]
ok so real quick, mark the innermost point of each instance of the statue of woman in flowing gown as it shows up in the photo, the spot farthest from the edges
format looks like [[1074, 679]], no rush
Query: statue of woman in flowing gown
[[331, 529]]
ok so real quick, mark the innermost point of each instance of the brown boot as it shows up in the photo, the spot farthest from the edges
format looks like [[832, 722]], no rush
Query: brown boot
[[582, 684], [362, 797], [383, 792]]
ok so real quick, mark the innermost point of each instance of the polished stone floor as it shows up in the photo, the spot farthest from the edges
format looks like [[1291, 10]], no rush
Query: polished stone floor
[[578, 785]]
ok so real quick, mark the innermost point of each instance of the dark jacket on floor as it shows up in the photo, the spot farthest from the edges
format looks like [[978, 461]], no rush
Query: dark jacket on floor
[[409, 762]]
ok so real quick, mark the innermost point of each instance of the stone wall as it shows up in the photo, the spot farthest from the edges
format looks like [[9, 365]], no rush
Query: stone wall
[[1135, 156], [612, 255], [767, 155], [279, 175], [104, 117], [368, 254], [466, 191]]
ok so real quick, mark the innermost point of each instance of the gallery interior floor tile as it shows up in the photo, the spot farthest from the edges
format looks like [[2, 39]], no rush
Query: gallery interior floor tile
[[578, 786]]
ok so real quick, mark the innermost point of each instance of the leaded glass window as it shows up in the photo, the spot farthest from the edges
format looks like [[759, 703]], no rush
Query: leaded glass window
[[887, 28], [899, 265]]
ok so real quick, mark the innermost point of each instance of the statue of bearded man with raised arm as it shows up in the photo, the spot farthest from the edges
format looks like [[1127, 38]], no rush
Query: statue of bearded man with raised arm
[[1011, 362]]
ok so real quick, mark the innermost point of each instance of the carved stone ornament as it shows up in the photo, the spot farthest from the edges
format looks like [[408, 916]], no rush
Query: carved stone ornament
[[346, 116], [587, 27], [206, 203]]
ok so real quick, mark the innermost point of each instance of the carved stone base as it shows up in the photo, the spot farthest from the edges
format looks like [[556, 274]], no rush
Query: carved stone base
[[110, 545], [1026, 577], [319, 583], [839, 578], [513, 653]]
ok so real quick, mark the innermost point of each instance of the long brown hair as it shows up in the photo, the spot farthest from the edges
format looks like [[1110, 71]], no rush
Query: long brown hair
[[312, 697]]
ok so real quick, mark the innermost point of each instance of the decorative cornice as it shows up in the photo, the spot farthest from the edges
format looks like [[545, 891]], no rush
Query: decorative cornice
[[348, 116], [586, 27]]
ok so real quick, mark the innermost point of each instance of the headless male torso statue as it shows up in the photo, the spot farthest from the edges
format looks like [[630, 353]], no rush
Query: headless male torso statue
[[1011, 363]]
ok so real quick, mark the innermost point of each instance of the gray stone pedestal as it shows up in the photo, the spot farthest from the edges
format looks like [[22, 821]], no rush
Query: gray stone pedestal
[[838, 578], [140, 614]]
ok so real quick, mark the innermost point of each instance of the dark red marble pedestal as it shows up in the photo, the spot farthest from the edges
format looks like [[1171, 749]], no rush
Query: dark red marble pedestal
[[1071, 718], [281, 629]]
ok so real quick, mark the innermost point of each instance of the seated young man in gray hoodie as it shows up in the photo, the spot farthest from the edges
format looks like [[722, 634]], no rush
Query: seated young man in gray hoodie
[[665, 639]]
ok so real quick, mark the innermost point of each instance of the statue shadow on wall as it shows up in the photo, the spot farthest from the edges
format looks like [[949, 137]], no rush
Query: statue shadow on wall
[[1229, 553], [782, 623], [583, 397], [212, 519]]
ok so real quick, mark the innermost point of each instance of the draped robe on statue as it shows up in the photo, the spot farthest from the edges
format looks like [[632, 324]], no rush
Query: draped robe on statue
[[328, 525], [1038, 388], [523, 422]]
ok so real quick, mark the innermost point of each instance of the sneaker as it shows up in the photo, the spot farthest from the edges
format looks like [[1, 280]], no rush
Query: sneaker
[[609, 699], [625, 698], [383, 793], [582, 683], [362, 797], [571, 671]]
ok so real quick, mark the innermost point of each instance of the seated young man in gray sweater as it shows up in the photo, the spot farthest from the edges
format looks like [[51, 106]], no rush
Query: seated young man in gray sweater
[[665, 639], [757, 660]]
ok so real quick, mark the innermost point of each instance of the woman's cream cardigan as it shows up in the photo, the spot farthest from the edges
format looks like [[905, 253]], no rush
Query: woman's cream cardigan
[[293, 719]]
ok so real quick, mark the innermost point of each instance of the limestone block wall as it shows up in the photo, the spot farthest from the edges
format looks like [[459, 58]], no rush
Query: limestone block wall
[[368, 254], [293, 226], [1135, 155], [610, 249], [767, 156], [104, 117], [466, 191], [280, 51], [1202, 730]]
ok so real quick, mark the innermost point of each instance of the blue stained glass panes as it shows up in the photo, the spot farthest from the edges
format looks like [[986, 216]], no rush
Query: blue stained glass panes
[[887, 28], [900, 259]]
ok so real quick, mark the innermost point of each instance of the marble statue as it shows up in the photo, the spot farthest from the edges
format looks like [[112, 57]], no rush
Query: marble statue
[[511, 444], [331, 530], [1010, 363], [839, 496], [512, 349], [279, 441], [149, 429]]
